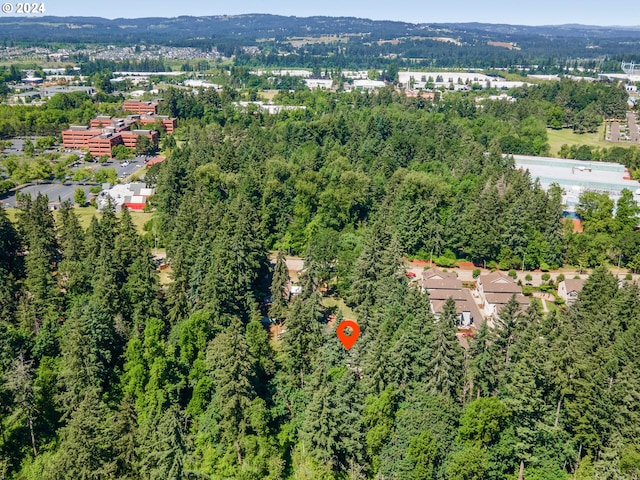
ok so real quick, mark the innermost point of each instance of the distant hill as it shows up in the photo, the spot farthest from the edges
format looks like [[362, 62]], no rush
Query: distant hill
[[257, 26], [357, 41], [249, 27]]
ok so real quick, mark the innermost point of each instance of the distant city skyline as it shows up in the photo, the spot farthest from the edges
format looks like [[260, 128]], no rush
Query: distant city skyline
[[541, 12]]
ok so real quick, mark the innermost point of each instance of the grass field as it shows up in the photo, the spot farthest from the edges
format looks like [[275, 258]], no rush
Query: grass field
[[85, 214], [339, 303], [557, 138], [268, 94]]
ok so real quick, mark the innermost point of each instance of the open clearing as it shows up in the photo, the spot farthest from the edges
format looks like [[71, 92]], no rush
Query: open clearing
[[340, 305], [557, 138]]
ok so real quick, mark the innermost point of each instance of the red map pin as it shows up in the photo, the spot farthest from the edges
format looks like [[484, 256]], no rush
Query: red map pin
[[348, 340]]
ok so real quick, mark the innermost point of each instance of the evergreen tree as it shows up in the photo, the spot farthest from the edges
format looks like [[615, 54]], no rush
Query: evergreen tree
[[302, 337], [92, 242], [124, 426], [10, 261], [446, 361], [331, 431], [89, 347], [230, 366], [482, 369], [165, 452], [109, 227], [140, 291], [10, 266], [411, 352], [107, 282], [40, 297], [37, 227], [279, 289], [178, 304], [369, 268], [507, 327], [72, 277], [86, 442]]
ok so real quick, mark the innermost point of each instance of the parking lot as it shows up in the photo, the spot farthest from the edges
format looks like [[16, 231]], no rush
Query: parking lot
[[58, 191], [123, 168], [16, 147]]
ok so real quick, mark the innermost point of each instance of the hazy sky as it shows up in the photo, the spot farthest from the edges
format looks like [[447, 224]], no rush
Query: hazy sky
[[536, 12]]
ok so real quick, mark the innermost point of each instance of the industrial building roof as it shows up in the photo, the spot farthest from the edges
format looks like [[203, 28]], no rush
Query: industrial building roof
[[578, 176]]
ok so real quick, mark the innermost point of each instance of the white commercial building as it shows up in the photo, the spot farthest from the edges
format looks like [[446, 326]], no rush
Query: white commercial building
[[420, 80], [578, 176], [318, 83]]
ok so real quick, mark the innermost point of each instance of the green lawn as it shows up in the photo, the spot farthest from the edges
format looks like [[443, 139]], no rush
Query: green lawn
[[339, 303], [85, 214], [557, 138]]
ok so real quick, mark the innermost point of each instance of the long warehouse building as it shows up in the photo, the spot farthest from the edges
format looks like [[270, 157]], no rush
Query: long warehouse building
[[578, 176]]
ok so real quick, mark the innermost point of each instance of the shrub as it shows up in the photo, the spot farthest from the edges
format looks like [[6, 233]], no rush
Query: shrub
[[6, 185], [444, 262], [560, 278], [546, 287], [628, 276], [528, 277], [512, 273], [476, 273], [546, 277]]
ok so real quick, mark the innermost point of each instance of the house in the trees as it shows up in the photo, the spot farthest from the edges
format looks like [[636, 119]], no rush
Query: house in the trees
[[569, 289], [496, 289], [443, 285]]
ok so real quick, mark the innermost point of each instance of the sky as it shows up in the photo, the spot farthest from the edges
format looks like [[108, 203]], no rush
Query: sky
[[536, 12]]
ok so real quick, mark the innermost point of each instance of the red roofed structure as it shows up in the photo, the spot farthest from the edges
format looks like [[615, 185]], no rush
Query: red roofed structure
[[155, 160]]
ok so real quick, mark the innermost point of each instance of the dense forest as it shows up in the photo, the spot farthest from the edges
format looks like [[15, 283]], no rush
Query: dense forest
[[436, 172], [106, 373]]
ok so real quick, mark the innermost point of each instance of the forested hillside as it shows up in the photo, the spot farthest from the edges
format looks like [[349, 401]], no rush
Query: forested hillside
[[106, 374], [344, 42]]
